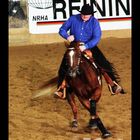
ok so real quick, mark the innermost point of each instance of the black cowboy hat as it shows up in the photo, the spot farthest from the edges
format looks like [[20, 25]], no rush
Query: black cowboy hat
[[87, 9]]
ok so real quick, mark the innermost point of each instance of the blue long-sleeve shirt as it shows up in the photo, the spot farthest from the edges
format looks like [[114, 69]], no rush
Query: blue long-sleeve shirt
[[88, 32]]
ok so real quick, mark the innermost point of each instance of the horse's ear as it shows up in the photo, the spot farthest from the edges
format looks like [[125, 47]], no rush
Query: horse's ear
[[67, 43]]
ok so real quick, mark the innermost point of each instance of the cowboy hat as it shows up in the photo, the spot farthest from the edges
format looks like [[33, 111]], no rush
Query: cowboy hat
[[87, 10]]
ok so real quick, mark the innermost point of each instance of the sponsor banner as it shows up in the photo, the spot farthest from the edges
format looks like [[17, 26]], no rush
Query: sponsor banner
[[46, 16]]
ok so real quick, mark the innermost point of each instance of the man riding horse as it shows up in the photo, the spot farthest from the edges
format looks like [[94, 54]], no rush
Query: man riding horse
[[85, 28]]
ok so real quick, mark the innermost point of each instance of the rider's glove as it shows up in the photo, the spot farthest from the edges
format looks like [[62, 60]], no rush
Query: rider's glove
[[82, 47]]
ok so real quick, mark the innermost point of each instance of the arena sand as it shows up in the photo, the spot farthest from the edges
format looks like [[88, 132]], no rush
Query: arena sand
[[47, 118]]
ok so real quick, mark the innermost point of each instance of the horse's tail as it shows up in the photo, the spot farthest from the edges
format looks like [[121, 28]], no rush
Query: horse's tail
[[46, 88]]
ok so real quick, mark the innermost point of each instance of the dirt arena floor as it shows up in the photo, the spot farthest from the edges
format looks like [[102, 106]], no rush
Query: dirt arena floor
[[47, 118]]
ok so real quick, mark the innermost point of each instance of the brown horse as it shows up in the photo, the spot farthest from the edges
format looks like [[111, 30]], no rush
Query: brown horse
[[83, 80]]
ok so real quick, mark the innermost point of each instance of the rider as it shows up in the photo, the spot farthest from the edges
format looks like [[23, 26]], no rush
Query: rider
[[84, 27]]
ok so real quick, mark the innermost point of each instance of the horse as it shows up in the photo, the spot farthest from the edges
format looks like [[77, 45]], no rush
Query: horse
[[83, 79]]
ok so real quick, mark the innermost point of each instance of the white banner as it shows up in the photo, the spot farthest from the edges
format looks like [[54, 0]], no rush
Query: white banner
[[46, 16]]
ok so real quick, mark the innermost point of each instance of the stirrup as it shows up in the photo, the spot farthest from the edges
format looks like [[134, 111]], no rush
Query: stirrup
[[60, 93], [114, 89]]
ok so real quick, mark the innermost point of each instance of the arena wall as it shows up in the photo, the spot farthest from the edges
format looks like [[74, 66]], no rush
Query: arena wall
[[22, 37]]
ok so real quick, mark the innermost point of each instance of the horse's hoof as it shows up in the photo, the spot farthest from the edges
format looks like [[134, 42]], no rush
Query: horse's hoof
[[92, 124], [74, 124], [106, 135], [92, 127]]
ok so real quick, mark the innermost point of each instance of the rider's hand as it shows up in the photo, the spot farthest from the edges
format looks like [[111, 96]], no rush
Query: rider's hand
[[82, 47], [70, 38]]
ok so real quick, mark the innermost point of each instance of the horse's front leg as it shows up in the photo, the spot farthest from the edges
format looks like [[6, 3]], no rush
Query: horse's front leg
[[92, 108], [95, 120], [71, 101], [90, 105]]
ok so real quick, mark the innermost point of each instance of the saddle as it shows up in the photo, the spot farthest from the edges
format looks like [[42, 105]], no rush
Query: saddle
[[88, 55]]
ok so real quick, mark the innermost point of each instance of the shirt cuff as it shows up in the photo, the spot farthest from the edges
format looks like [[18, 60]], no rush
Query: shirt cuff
[[86, 46]]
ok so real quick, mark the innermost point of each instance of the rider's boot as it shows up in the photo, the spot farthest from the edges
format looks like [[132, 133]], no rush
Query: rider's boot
[[113, 86], [61, 91]]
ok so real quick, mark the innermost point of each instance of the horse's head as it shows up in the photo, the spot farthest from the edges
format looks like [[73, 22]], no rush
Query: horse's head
[[73, 56]]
